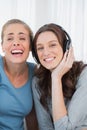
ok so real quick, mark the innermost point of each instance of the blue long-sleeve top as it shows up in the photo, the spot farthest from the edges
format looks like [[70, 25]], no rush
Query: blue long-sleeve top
[[15, 103], [76, 118]]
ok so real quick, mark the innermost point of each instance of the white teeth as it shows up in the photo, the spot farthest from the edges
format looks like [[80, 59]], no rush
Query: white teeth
[[17, 51], [49, 59]]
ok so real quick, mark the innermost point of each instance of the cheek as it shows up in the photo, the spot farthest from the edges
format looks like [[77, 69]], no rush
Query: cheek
[[39, 55], [59, 55], [27, 45], [4, 47]]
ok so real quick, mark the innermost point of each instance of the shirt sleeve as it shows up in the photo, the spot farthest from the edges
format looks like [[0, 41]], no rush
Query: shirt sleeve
[[43, 117], [76, 119]]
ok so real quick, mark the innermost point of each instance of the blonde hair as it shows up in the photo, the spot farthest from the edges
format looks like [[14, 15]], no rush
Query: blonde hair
[[16, 21]]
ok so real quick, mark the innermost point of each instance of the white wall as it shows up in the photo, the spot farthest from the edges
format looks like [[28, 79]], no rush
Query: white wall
[[71, 14]]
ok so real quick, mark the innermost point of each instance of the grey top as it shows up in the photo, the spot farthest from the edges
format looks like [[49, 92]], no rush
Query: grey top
[[76, 119]]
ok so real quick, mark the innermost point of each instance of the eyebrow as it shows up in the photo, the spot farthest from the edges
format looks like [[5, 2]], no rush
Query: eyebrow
[[49, 42], [18, 33], [39, 44]]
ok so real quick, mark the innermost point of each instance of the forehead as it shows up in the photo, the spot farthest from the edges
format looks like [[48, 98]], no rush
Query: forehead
[[15, 28], [46, 36]]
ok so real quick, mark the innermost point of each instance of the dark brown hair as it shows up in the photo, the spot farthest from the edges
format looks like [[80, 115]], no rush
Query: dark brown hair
[[31, 120], [69, 80]]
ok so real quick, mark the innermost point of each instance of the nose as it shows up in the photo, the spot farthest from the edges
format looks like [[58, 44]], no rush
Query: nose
[[46, 51], [16, 43]]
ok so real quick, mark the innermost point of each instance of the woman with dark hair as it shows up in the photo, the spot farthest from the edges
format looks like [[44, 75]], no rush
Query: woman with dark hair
[[60, 82]]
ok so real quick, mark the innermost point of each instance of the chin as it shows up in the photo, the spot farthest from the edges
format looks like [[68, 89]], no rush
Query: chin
[[50, 67]]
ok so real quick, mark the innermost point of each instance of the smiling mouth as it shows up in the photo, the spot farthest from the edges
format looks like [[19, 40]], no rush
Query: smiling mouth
[[49, 59], [17, 52]]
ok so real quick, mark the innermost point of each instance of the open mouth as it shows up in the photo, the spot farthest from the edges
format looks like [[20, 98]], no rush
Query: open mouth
[[17, 52]]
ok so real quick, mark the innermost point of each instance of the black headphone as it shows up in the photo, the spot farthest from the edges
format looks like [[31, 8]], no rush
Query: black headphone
[[68, 39], [65, 47]]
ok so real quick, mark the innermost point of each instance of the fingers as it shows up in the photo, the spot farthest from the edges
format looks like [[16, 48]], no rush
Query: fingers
[[66, 63]]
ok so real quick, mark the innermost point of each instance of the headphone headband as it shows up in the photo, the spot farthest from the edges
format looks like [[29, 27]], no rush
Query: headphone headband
[[68, 41]]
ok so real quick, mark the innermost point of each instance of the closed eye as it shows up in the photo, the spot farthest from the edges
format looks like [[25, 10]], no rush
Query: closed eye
[[9, 39], [22, 38]]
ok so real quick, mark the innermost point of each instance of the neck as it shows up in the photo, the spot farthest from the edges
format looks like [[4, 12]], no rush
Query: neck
[[14, 69]]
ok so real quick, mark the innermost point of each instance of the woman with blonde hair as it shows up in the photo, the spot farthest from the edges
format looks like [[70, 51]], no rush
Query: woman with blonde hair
[[15, 75]]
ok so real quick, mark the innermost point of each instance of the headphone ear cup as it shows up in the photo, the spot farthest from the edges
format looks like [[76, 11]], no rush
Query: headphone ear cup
[[67, 45], [68, 39]]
